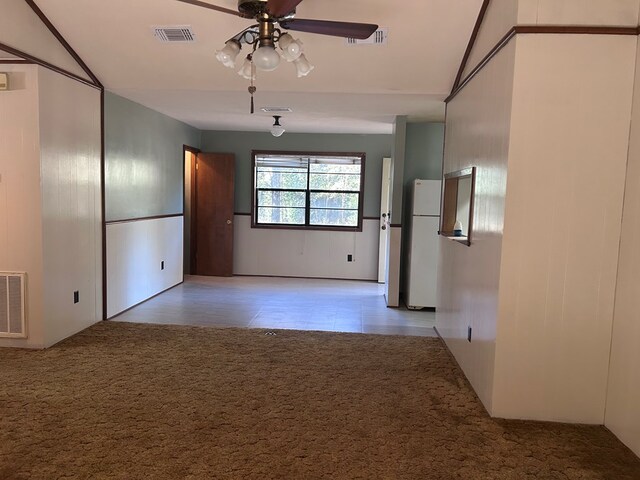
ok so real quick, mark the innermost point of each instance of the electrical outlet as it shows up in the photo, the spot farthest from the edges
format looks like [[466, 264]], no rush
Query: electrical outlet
[[349, 258], [76, 296], [162, 265], [469, 331]]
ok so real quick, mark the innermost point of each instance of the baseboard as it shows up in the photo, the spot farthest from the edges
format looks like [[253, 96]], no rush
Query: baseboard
[[305, 278], [145, 300]]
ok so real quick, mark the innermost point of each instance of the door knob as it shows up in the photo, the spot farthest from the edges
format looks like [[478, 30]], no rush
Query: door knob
[[228, 222]]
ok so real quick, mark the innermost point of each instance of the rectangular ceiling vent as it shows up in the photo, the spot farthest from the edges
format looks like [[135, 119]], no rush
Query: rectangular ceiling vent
[[12, 305], [379, 37], [276, 110], [178, 33]]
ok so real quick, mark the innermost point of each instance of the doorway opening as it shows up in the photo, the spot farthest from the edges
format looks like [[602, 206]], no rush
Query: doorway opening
[[189, 155], [208, 212]]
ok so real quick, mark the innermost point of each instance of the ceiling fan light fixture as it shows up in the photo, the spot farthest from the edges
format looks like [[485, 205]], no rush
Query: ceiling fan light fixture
[[227, 56], [291, 47], [246, 70], [303, 67], [266, 58], [277, 130]]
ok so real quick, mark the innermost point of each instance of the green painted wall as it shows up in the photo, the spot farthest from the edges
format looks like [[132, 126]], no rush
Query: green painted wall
[[241, 143], [424, 153], [143, 160]]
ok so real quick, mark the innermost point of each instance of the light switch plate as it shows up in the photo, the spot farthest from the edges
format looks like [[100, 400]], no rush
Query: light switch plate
[[4, 81]]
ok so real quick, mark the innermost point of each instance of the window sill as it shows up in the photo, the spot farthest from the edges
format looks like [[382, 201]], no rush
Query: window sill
[[459, 239], [307, 227]]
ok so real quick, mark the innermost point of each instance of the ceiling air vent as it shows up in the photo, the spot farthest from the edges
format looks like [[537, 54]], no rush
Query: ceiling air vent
[[179, 33], [379, 37], [276, 110]]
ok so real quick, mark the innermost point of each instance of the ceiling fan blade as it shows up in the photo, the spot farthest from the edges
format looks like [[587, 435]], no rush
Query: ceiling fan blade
[[198, 3], [360, 31], [280, 8]]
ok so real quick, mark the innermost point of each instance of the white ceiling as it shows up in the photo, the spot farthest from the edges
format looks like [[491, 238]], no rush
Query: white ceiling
[[353, 89]]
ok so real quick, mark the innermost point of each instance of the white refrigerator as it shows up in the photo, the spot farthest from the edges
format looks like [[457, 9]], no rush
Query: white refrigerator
[[422, 254]]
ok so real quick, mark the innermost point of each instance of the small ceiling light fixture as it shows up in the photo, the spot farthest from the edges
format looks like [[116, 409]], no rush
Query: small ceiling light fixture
[[277, 130]]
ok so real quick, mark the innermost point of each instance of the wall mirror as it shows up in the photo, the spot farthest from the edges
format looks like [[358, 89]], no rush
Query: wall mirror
[[457, 205]]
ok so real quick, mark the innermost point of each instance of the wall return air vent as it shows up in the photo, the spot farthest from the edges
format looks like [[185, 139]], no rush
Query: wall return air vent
[[176, 33], [379, 37], [276, 109], [12, 305]]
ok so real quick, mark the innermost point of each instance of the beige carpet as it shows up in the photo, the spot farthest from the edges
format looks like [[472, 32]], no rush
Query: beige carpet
[[128, 401]]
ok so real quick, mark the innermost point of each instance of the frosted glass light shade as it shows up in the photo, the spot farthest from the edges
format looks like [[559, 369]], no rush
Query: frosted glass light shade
[[247, 71], [227, 56], [303, 66], [266, 58], [291, 48], [277, 130]]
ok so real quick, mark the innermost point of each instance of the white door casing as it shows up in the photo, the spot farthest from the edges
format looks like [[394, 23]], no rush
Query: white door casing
[[385, 220]]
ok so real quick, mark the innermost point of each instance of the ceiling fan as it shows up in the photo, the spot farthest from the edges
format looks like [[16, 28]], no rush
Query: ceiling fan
[[283, 13], [263, 37]]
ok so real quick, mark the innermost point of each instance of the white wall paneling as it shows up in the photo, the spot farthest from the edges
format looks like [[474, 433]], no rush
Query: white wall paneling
[[478, 128], [305, 253], [20, 196], [50, 200], [623, 394], [562, 225], [70, 148], [392, 283], [135, 250]]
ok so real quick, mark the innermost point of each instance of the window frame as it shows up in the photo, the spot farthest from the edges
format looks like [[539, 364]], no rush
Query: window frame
[[448, 209], [307, 191]]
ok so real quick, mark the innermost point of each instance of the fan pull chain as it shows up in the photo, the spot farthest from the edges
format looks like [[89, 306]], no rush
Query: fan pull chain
[[252, 88]]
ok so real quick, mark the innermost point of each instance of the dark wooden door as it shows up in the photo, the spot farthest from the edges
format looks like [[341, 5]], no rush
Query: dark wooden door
[[215, 175]]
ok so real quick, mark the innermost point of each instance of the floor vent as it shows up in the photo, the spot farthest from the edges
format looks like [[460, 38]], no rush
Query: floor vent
[[379, 37], [12, 308], [181, 33]]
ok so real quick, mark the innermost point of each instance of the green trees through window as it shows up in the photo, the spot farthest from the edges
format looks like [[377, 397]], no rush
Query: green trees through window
[[308, 190]]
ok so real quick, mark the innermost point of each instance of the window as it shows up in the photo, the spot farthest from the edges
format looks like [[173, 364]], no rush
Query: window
[[308, 190]]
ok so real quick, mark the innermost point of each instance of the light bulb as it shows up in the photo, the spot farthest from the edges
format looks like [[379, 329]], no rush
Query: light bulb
[[303, 66], [291, 48], [227, 56], [266, 58]]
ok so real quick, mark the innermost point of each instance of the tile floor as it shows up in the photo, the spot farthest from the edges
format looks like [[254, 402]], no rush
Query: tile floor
[[282, 303]]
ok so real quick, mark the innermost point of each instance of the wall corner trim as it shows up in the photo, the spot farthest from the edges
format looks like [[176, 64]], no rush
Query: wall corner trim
[[471, 44], [535, 30], [54, 31]]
